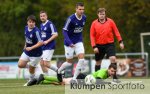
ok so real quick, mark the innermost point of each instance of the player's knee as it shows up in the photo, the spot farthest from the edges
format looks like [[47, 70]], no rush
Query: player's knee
[[20, 65], [42, 63], [81, 56], [112, 59]]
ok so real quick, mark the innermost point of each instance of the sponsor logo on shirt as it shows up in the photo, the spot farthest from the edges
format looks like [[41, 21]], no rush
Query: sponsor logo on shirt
[[78, 29], [43, 34], [29, 41]]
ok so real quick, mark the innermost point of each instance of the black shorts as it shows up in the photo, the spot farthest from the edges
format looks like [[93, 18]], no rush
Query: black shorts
[[107, 49]]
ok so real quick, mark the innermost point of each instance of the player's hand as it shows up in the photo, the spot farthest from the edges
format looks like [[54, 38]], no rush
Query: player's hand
[[45, 42], [28, 48], [72, 45], [121, 45], [96, 50]]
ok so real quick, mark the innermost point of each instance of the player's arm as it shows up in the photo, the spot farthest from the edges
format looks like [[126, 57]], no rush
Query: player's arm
[[25, 45], [92, 38], [65, 32], [54, 34], [92, 35], [38, 44], [117, 34]]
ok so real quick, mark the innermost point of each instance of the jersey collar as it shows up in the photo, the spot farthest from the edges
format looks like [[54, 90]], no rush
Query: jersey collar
[[78, 17], [45, 22], [30, 29]]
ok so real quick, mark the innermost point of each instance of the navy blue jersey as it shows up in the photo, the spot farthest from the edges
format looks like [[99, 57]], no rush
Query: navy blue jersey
[[33, 37], [47, 30], [73, 28]]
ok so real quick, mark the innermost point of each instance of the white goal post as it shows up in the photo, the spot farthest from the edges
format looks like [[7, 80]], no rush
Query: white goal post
[[142, 40]]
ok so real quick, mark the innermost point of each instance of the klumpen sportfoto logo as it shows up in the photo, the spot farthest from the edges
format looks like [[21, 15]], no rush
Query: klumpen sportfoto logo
[[109, 86]]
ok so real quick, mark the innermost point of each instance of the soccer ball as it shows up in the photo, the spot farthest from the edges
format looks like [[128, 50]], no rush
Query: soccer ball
[[90, 79]]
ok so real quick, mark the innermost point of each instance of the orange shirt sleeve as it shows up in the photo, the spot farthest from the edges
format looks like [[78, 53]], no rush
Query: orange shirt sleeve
[[92, 35], [116, 31]]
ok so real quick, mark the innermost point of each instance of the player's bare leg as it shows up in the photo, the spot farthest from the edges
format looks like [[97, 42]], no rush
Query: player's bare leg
[[22, 63], [44, 68], [47, 64]]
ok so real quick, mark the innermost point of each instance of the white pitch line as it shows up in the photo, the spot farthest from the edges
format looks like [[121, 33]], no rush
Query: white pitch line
[[11, 86]]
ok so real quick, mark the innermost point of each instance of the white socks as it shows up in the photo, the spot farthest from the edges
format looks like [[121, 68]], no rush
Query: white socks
[[78, 68], [63, 66], [54, 68]]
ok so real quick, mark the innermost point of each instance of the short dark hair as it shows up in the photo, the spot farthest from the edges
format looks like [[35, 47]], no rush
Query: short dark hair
[[42, 11], [101, 10], [113, 66], [31, 17], [79, 4]]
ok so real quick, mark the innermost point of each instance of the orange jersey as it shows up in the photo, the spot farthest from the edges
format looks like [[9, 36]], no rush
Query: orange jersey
[[103, 33]]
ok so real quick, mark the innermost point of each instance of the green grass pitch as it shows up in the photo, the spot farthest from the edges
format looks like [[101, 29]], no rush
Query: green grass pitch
[[14, 86]]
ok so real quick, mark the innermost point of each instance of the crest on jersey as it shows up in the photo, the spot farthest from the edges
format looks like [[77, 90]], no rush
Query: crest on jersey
[[30, 35], [45, 28]]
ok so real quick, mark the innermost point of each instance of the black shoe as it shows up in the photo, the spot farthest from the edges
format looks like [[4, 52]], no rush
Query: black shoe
[[31, 82], [41, 78], [59, 77]]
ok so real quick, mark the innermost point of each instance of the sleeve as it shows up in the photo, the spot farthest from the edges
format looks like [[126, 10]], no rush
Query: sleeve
[[38, 36], [92, 35], [116, 31], [53, 28], [65, 32]]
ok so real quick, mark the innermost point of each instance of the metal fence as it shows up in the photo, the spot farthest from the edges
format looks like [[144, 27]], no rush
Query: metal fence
[[90, 57]]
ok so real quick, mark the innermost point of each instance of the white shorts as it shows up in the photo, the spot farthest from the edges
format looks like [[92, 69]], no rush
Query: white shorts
[[33, 61], [47, 55], [78, 49]]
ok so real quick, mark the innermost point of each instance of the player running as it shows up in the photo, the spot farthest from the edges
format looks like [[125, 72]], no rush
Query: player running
[[49, 34], [72, 32], [32, 49]]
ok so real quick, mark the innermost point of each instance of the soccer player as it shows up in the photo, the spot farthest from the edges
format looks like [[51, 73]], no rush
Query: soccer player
[[102, 33], [49, 34], [99, 75], [32, 49], [72, 32]]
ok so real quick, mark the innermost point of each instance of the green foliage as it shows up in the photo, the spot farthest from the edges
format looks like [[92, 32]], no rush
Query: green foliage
[[131, 16]]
